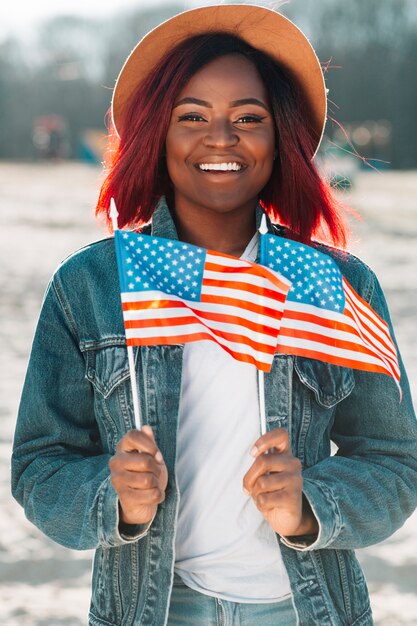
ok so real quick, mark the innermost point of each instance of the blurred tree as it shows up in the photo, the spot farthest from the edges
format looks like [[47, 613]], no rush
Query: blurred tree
[[15, 78], [72, 67], [71, 47], [373, 45], [125, 33], [358, 24]]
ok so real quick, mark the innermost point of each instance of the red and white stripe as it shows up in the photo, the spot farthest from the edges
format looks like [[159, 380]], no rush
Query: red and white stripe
[[358, 338], [240, 308]]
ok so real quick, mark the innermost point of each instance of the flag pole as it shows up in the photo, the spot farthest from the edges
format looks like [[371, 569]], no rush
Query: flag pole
[[136, 409], [263, 229]]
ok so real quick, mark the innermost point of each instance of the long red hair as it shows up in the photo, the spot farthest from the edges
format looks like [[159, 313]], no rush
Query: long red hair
[[295, 196]]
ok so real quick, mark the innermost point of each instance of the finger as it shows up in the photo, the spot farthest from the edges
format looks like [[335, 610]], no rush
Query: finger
[[139, 441], [135, 480], [131, 498], [273, 462], [269, 482], [135, 462], [281, 499], [277, 438], [277, 481], [148, 431]]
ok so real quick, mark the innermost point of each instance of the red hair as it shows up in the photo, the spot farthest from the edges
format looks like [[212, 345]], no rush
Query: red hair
[[295, 196]]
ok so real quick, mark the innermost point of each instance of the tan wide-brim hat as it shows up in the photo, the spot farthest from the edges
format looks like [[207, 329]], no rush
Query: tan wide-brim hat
[[261, 28]]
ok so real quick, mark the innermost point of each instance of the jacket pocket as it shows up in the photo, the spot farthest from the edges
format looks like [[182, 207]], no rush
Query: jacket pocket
[[105, 601], [352, 584], [346, 585], [318, 388], [108, 372], [116, 585], [329, 383]]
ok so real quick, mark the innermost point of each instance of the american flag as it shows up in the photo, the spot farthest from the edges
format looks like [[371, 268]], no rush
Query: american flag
[[324, 318], [174, 292]]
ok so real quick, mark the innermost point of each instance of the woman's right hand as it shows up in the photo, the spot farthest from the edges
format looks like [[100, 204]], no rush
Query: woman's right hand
[[139, 475]]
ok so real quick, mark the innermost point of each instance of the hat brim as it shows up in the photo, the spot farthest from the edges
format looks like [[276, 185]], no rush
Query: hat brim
[[262, 28]]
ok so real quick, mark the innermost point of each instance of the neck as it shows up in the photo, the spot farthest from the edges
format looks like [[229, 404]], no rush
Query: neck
[[228, 233]]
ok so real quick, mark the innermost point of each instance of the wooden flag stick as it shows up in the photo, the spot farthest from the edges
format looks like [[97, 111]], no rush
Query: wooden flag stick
[[261, 392], [130, 357], [135, 395], [263, 229]]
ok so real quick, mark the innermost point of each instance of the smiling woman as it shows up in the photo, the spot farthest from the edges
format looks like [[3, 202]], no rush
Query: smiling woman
[[290, 116], [198, 518], [220, 148]]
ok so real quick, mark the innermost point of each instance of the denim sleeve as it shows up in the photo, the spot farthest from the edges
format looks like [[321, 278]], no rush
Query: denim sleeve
[[59, 472], [367, 490]]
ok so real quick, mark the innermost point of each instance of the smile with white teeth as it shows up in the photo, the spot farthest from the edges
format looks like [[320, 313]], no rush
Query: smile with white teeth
[[220, 167]]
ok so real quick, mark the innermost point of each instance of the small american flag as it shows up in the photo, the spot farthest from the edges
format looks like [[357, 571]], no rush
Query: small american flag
[[324, 318], [174, 292]]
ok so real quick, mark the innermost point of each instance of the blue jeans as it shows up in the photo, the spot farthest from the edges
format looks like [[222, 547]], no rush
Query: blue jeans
[[191, 608]]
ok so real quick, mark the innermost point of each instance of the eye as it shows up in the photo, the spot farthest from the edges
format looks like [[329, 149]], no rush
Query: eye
[[249, 119], [191, 117]]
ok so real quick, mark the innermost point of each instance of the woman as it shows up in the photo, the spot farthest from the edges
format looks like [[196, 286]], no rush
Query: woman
[[219, 112]]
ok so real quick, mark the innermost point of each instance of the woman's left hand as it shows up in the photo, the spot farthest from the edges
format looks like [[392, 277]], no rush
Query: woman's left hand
[[276, 485]]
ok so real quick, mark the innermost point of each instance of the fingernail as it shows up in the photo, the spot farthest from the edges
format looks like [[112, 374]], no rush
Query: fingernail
[[159, 457], [254, 451]]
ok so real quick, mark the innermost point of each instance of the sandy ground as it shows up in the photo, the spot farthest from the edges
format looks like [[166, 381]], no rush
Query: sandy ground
[[46, 212]]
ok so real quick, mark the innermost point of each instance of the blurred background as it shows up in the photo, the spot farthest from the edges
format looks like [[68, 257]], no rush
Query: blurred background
[[58, 65], [59, 61]]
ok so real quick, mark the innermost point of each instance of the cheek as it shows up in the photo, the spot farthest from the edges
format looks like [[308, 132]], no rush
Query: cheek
[[169, 145], [266, 147], [177, 149], [171, 153], [261, 145], [265, 150]]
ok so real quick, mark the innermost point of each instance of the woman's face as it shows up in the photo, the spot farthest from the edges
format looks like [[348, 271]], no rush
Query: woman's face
[[221, 139]]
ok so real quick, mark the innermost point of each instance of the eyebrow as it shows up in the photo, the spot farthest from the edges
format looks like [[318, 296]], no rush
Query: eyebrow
[[234, 104]]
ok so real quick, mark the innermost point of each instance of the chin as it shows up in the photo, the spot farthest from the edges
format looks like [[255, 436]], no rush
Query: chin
[[226, 202]]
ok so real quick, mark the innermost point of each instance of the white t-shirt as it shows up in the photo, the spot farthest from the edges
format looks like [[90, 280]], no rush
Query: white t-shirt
[[224, 547]]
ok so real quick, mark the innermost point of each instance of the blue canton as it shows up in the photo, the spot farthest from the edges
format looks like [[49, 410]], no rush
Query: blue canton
[[315, 277], [157, 264]]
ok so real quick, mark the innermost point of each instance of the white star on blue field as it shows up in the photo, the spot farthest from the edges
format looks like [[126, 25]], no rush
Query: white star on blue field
[[315, 277], [158, 264]]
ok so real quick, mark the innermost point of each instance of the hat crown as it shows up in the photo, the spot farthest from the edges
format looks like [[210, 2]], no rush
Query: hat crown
[[260, 27]]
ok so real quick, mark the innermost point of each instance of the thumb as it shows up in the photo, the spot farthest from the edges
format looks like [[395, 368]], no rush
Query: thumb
[[149, 432]]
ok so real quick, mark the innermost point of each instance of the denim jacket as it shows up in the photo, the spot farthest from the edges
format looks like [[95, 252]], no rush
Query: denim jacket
[[77, 404]]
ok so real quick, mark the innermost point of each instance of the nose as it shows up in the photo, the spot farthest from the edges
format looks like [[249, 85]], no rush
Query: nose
[[220, 134]]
